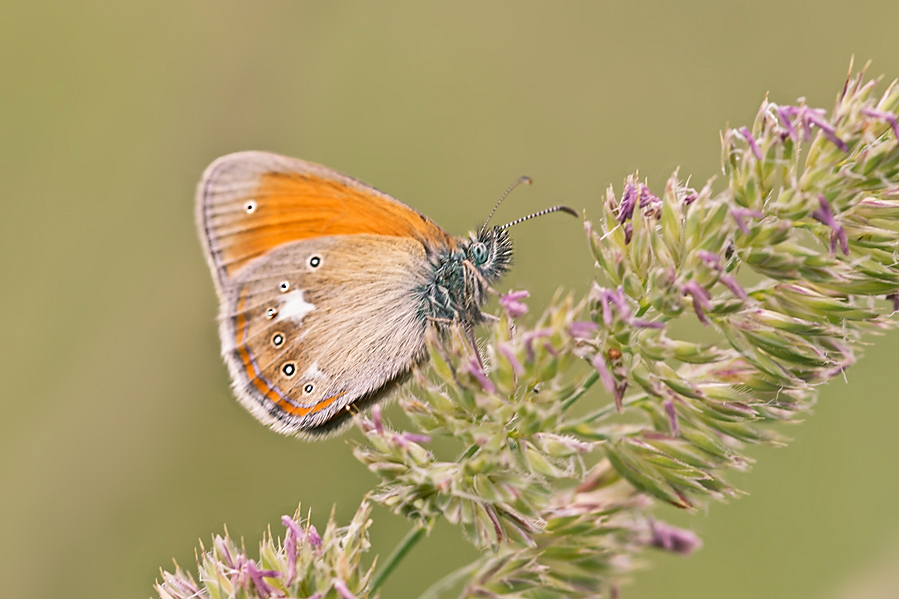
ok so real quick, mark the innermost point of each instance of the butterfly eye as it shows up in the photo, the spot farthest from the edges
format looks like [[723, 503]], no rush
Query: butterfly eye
[[284, 286], [308, 388], [250, 206], [271, 313], [277, 339], [478, 253], [315, 261], [289, 369]]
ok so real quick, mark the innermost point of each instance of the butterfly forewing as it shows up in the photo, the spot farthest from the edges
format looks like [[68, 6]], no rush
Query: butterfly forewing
[[253, 202]]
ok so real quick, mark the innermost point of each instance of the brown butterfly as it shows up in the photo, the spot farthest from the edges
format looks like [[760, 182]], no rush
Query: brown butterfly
[[327, 286]]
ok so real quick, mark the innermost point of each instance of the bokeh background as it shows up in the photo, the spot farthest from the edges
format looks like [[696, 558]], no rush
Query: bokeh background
[[120, 443]]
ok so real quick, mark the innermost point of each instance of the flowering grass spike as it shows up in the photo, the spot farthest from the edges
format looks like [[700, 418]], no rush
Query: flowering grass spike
[[556, 479]]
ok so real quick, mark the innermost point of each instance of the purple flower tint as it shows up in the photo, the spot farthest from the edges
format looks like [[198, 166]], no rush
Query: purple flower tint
[[607, 298], [238, 573], [747, 135], [606, 308], [580, 329], [513, 307], [735, 288], [848, 360], [628, 233], [701, 299], [785, 113], [647, 198], [884, 116], [894, 297], [376, 419], [741, 213], [474, 369], [827, 129], [258, 577], [799, 111], [608, 381], [824, 215], [673, 424], [342, 589], [550, 349], [180, 585], [313, 537], [416, 438], [808, 117], [711, 260], [506, 351], [690, 198], [646, 324], [529, 339], [293, 529], [224, 551], [497, 527], [294, 535], [673, 539], [628, 203]]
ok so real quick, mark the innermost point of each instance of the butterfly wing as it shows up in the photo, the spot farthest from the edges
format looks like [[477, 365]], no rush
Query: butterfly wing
[[249, 203], [319, 278]]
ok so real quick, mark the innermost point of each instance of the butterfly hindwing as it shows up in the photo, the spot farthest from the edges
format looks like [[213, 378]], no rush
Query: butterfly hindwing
[[323, 323]]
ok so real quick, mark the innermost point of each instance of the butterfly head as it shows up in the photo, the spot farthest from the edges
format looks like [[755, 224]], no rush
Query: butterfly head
[[490, 252]]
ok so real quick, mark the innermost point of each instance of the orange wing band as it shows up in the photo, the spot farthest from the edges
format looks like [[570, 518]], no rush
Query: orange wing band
[[294, 206], [262, 385]]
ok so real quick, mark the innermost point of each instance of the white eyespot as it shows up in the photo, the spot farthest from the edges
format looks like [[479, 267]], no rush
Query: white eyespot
[[271, 313], [277, 339], [284, 286], [315, 261], [289, 369], [250, 206], [308, 388]]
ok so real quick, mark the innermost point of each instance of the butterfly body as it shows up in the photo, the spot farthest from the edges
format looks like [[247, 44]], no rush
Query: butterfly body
[[454, 291], [327, 286]]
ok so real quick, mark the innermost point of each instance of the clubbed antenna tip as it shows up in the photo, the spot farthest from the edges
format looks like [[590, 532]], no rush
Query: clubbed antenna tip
[[564, 209]]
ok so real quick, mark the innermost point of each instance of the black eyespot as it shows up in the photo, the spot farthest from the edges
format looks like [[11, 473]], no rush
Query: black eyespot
[[308, 388], [284, 286], [289, 369], [271, 313], [478, 253], [277, 339], [315, 261]]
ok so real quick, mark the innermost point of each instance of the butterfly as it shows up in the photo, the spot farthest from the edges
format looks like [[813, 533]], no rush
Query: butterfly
[[327, 286]]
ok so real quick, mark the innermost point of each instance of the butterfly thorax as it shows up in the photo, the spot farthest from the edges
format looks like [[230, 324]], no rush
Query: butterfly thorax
[[459, 279]]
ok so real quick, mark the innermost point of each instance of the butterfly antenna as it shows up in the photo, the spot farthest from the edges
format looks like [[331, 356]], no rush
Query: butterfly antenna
[[516, 183], [564, 209]]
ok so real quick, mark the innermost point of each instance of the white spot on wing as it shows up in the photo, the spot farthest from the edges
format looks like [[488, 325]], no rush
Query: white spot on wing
[[294, 306], [313, 372]]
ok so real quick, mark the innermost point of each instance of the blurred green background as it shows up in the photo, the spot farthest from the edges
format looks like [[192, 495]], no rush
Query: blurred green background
[[120, 443]]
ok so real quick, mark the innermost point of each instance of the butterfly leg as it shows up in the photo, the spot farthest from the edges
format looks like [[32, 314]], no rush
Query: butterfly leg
[[469, 334], [478, 274], [441, 321]]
